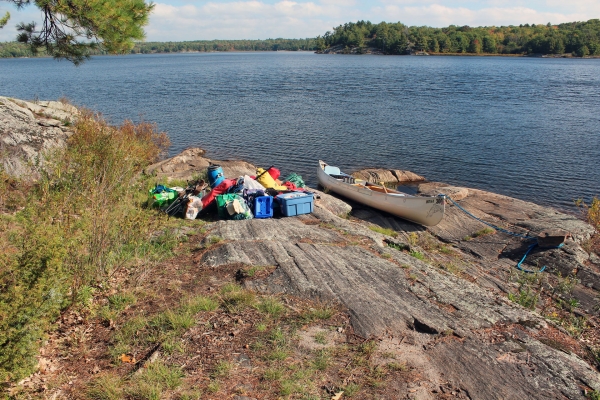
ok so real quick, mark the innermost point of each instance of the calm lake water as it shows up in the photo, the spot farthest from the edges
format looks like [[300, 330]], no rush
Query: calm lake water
[[524, 127]]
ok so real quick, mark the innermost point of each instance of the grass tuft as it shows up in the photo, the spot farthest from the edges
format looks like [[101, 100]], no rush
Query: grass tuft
[[398, 246], [164, 375], [321, 312], [120, 301], [214, 240], [154, 381], [321, 360], [173, 320], [394, 366], [271, 306], [368, 347], [222, 369], [213, 386], [484, 232], [321, 338], [272, 374], [261, 327], [351, 389], [202, 303], [277, 354], [383, 231], [105, 387], [235, 299], [172, 345], [446, 250], [595, 395]]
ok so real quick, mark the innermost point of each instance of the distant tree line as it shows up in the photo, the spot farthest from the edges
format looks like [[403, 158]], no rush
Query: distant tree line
[[579, 38], [226, 45], [15, 49]]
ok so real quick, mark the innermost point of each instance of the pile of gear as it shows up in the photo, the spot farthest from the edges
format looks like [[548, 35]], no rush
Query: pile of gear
[[260, 196]]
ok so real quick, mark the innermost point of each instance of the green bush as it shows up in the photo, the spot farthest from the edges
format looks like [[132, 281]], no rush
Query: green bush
[[591, 212], [81, 220]]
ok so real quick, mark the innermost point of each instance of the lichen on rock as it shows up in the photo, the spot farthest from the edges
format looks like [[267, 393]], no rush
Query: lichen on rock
[[28, 129]]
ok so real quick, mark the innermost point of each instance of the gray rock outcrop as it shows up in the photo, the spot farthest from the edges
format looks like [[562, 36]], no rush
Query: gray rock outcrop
[[191, 163], [447, 316], [453, 330], [29, 129]]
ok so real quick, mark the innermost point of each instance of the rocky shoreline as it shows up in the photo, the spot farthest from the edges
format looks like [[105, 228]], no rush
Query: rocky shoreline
[[493, 348], [340, 49], [445, 300]]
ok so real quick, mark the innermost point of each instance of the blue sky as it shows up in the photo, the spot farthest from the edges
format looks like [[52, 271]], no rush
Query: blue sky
[[261, 19]]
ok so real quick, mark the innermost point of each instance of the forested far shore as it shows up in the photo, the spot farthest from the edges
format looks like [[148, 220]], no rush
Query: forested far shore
[[579, 39], [16, 49]]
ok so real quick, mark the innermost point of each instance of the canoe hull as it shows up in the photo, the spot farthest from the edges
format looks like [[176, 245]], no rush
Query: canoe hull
[[426, 211]]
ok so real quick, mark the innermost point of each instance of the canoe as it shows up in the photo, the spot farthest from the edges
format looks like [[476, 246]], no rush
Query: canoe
[[424, 210]]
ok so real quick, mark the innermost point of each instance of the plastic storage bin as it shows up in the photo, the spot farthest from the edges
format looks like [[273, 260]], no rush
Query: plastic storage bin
[[263, 207], [295, 203]]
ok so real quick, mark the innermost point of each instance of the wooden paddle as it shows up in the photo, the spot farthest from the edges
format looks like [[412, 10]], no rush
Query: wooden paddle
[[384, 188]]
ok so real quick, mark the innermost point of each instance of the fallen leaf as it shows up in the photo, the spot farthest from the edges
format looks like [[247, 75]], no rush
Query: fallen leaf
[[126, 358], [43, 365], [337, 396]]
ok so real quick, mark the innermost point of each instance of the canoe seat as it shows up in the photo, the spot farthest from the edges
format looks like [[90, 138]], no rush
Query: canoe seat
[[329, 170], [344, 178]]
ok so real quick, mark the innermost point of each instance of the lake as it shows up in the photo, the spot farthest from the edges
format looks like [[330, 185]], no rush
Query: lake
[[523, 127]]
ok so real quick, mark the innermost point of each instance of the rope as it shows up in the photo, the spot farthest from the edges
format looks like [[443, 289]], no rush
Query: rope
[[487, 223], [526, 237], [525, 255]]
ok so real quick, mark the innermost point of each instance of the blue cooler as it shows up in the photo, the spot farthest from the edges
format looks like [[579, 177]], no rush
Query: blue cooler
[[295, 203], [215, 175], [263, 207]]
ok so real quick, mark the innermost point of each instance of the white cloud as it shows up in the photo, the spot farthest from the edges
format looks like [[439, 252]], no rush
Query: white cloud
[[345, 3], [257, 19], [437, 15], [590, 8], [246, 20]]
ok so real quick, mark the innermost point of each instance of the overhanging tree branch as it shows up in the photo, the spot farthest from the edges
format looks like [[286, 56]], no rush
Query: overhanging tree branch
[[4, 20], [72, 28]]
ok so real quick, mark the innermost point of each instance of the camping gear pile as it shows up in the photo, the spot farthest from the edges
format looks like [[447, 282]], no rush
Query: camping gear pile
[[260, 196]]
